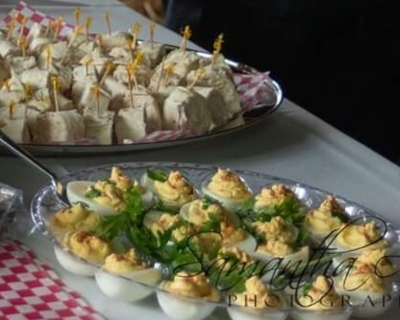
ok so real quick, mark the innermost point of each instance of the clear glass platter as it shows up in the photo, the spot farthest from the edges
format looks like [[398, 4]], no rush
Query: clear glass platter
[[45, 204]]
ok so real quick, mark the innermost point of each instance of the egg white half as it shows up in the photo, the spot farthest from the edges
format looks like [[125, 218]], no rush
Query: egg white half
[[248, 244], [76, 193], [228, 203], [182, 308], [299, 313], [125, 290], [248, 313], [367, 304], [335, 314], [152, 217], [148, 183], [74, 264], [301, 255]]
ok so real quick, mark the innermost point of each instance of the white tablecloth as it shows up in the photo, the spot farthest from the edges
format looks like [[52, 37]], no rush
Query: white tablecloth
[[291, 143]]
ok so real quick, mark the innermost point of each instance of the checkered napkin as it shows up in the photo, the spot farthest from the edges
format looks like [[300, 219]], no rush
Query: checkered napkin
[[252, 89], [30, 290], [22, 9]]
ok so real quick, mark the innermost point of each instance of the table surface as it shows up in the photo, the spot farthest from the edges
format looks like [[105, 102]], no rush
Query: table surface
[[291, 143]]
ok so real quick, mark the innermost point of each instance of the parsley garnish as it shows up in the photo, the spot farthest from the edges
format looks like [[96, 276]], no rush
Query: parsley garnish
[[247, 224], [246, 214], [187, 256], [229, 257], [306, 288], [157, 175], [111, 227], [92, 193], [160, 206], [233, 276], [128, 225], [302, 237], [212, 225], [206, 201], [290, 210], [246, 208]]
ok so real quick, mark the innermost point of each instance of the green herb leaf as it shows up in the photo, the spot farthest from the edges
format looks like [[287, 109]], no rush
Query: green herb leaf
[[92, 193], [134, 206], [246, 208], [206, 201], [212, 225], [157, 175], [247, 224], [279, 282], [306, 288], [160, 206], [233, 276], [111, 227], [188, 258], [302, 237], [129, 224], [290, 210]]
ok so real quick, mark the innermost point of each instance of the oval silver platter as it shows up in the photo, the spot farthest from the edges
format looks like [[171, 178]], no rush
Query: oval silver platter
[[251, 117]]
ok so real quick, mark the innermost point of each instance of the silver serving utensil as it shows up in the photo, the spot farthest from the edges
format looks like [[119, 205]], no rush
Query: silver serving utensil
[[20, 152]]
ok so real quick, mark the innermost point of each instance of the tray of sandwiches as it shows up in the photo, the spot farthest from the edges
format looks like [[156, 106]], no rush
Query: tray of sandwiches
[[67, 90]]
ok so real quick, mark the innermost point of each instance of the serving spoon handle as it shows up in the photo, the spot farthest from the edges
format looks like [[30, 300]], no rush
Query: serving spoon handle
[[32, 161]]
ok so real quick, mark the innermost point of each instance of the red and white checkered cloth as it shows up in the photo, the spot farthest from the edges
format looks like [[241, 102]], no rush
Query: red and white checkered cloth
[[30, 289], [22, 9], [252, 89]]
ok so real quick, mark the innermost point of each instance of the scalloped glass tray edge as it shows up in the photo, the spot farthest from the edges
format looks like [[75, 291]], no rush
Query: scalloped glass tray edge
[[196, 174]]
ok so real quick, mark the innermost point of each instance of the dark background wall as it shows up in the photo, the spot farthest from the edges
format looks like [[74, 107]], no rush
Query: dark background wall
[[338, 59]]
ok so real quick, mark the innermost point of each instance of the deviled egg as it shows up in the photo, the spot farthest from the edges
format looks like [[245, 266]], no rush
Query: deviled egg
[[82, 252], [106, 197], [369, 294], [188, 297], [277, 229], [352, 239], [273, 196], [172, 189], [318, 299], [227, 188], [115, 277], [232, 260], [280, 242], [288, 255], [212, 217], [235, 254], [73, 264], [74, 218], [257, 302], [159, 222], [327, 218], [378, 261]]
